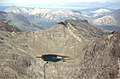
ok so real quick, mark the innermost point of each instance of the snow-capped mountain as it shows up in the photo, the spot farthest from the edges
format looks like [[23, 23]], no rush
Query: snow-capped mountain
[[34, 11], [15, 9], [18, 20], [109, 22], [111, 19], [63, 12], [101, 12], [47, 18], [61, 15], [105, 21]]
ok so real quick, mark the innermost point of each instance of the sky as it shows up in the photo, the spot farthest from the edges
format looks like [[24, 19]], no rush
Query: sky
[[78, 4], [56, 1]]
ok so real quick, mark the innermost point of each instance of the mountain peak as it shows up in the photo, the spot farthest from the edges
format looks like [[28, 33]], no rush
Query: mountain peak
[[102, 11], [15, 9], [38, 11], [106, 20], [79, 28], [64, 12]]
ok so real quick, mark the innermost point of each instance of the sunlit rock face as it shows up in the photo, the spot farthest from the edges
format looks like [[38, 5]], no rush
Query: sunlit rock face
[[93, 54]]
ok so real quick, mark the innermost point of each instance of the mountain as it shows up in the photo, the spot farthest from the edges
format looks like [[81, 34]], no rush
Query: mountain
[[116, 15], [108, 22], [5, 26], [46, 18], [105, 21], [61, 15], [82, 27], [34, 11], [92, 54], [15, 9], [18, 20], [112, 20], [38, 18], [101, 12]]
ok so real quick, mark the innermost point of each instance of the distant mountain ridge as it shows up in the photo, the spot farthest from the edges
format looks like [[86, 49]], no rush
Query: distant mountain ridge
[[109, 20], [102, 11], [18, 20], [45, 18], [15, 9], [34, 11], [49, 18], [106, 21], [39, 18]]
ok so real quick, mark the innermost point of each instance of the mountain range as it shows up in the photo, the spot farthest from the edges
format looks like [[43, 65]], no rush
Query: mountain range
[[39, 18], [18, 20]]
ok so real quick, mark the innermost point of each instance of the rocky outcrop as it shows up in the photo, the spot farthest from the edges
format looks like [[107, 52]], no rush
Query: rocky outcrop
[[5, 26], [83, 28], [92, 53], [101, 58]]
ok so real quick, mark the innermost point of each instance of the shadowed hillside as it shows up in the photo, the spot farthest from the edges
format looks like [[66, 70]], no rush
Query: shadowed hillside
[[5, 26]]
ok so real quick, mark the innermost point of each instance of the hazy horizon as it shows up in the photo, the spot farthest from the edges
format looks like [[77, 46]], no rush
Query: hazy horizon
[[65, 4]]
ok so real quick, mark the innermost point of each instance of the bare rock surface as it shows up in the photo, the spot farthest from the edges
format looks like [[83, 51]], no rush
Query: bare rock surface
[[92, 53]]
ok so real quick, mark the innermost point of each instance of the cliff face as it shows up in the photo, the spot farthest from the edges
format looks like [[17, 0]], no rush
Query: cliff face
[[92, 53]]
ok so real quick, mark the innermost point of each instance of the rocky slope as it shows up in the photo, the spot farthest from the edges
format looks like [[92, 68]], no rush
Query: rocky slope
[[18, 20], [93, 54], [5, 26]]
